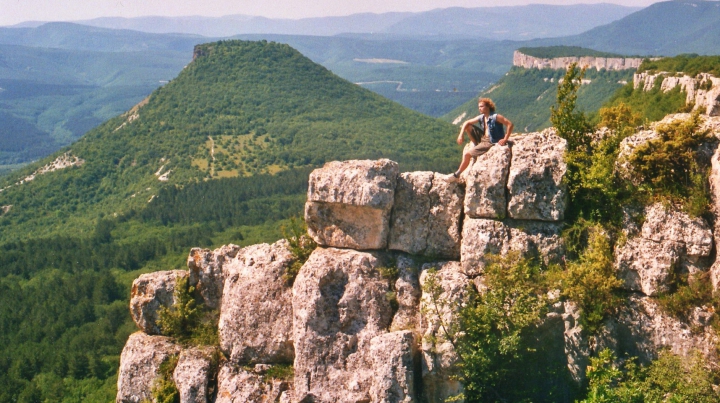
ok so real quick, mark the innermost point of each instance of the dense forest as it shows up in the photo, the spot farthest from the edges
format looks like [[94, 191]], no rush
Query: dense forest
[[551, 52]]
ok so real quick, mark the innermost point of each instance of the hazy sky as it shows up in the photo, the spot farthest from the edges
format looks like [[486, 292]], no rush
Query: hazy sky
[[15, 11]]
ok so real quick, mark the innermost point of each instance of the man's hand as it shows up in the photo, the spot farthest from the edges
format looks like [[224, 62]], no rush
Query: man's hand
[[460, 140], [502, 142]]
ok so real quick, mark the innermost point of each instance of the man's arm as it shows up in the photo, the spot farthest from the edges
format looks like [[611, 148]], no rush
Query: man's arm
[[510, 126], [465, 125]]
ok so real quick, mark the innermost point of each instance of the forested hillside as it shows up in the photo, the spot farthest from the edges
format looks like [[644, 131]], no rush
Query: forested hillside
[[526, 95], [235, 135]]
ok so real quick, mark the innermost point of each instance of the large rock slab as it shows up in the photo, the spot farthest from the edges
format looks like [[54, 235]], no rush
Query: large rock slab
[[443, 294], [535, 182], [139, 365], [339, 306], [643, 329], [665, 224], [485, 184], [426, 215], [206, 272], [394, 365], [482, 237], [235, 385], [349, 203], [149, 293], [192, 374], [256, 313]]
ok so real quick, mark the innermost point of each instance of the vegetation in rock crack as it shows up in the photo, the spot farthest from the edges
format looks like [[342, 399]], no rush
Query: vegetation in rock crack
[[283, 372], [690, 291], [300, 244], [164, 389], [668, 379], [186, 319]]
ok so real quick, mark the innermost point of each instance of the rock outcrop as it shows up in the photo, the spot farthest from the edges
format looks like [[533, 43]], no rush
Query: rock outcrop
[[367, 319], [702, 91], [608, 63]]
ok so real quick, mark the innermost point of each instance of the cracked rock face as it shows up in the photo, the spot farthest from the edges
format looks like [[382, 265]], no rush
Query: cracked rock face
[[339, 306], [531, 238], [485, 191], [349, 203], [235, 385], [192, 374], [426, 215], [206, 271], [438, 309], [670, 241], [535, 182], [139, 365], [149, 293], [256, 314]]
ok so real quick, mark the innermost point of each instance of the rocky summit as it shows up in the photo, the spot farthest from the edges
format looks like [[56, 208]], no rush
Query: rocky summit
[[352, 333]]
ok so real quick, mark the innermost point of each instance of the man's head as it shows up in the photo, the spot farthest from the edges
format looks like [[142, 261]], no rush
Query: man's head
[[487, 102]]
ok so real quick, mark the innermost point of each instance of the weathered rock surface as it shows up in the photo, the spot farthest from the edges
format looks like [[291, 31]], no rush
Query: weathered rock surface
[[577, 348], [702, 90], [206, 271], [646, 265], [394, 367], [192, 375], [236, 385], [339, 306], [443, 293], [139, 364], [349, 203], [531, 238], [256, 314], [149, 293], [407, 294], [485, 190], [643, 329], [669, 241], [608, 63], [535, 182], [426, 215]]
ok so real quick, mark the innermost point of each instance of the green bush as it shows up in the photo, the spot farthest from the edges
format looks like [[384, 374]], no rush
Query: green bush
[[186, 319], [164, 389], [668, 379], [300, 245]]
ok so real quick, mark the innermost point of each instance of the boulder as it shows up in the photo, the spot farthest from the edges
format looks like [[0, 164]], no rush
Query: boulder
[[349, 203], [206, 272], [255, 322], [485, 190], [339, 306], [647, 266], [664, 224], [139, 365], [577, 348], [426, 215], [535, 184], [149, 293], [531, 238], [192, 374], [394, 367], [443, 294], [235, 385]]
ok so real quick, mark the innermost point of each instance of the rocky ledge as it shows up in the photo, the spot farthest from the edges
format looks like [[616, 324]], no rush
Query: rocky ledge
[[353, 334]]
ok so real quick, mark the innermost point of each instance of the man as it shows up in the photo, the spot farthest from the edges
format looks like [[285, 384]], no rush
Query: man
[[484, 130]]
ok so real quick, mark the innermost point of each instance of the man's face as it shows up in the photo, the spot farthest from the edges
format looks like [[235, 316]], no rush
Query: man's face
[[482, 107]]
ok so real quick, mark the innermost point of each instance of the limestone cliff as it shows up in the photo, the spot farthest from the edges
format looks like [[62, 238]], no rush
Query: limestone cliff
[[703, 90], [608, 63], [353, 335]]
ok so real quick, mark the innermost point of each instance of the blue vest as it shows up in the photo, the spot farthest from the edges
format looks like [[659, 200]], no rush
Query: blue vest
[[497, 130]]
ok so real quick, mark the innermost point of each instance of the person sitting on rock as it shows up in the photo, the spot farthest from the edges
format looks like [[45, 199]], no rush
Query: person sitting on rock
[[488, 122]]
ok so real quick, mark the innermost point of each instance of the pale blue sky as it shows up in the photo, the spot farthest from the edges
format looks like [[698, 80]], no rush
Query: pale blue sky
[[16, 11]]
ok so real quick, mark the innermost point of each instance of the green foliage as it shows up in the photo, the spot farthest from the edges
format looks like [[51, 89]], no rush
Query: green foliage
[[283, 372], [550, 52], [300, 244], [186, 319], [590, 281], [164, 389], [567, 120], [499, 340], [688, 64], [668, 379], [652, 105], [690, 291], [669, 167]]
